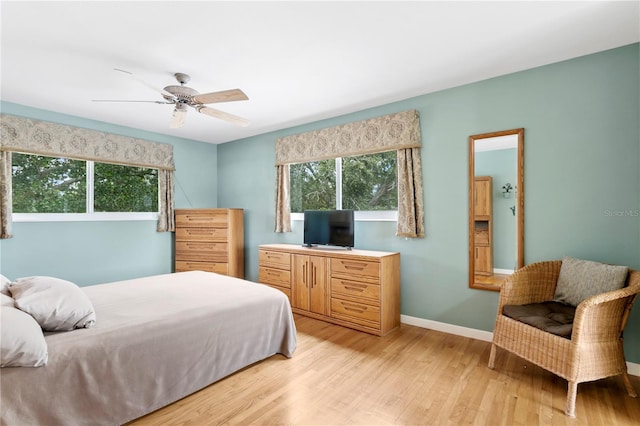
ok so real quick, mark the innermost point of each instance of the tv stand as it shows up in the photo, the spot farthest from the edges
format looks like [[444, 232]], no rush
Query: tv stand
[[355, 288]]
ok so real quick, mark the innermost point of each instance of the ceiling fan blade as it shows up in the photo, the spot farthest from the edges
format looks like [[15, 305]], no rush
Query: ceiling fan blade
[[126, 100], [149, 85], [234, 119], [222, 96]]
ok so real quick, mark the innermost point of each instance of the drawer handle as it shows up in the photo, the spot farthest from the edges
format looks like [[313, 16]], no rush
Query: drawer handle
[[273, 274], [354, 287], [198, 231], [304, 275], [198, 218], [201, 245], [352, 309], [356, 266]]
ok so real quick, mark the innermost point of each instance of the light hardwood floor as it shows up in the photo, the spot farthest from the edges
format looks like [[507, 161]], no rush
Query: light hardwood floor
[[412, 376]]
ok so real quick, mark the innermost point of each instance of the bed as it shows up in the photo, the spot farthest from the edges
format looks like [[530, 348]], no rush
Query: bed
[[155, 340]]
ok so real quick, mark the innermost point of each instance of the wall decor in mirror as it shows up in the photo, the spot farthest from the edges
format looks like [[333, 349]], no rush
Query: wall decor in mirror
[[496, 207]]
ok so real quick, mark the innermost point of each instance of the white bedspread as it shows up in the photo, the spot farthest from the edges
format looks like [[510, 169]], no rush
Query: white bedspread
[[156, 340]]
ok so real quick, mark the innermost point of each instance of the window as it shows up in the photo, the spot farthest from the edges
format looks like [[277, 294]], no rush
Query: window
[[48, 185], [60, 185], [362, 183], [313, 186], [119, 188]]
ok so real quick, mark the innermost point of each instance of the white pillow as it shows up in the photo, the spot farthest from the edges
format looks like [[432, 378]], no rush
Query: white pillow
[[22, 343], [4, 285], [56, 304], [6, 300]]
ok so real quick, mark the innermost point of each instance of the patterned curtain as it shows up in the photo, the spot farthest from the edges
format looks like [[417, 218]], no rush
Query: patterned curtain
[[387, 133], [5, 194], [394, 132], [410, 200], [166, 219], [29, 136], [283, 204]]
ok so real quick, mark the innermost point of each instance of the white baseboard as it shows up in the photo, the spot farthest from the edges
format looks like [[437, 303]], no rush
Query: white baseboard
[[487, 336]]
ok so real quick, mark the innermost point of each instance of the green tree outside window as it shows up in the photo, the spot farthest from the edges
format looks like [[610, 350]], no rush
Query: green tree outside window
[[59, 185]]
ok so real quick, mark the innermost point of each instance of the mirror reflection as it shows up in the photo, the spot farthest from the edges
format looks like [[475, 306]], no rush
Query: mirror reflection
[[496, 205]]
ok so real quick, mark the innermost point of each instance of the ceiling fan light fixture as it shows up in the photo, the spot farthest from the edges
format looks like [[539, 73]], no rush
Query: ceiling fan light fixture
[[179, 116]]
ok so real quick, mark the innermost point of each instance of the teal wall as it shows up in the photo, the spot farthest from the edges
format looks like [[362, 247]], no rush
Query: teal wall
[[97, 252], [582, 173], [502, 166], [582, 189]]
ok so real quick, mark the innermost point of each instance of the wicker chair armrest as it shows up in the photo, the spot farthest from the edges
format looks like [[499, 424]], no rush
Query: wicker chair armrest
[[604, 316], [531, 284]]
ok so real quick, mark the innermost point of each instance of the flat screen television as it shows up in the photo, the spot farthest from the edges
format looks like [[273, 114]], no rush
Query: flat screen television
[[328, 228]]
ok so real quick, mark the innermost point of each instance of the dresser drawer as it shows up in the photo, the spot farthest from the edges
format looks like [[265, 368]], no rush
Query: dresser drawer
[[201, 234], [216, 219], [340, 286], [275, 258], [203, 247], [355, 267], [187, 265], [202, 251], [279, 277], [360, 313]]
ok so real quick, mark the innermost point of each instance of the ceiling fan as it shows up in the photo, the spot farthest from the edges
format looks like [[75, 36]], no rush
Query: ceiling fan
[[183, 97]]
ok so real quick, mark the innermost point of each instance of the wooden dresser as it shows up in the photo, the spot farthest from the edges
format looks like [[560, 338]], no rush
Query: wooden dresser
[[359, 289], [210, 240]]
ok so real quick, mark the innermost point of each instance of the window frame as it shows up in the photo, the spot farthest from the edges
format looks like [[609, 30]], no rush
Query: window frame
[[363, 216], [359, 215], [89, 215], [84, 217]]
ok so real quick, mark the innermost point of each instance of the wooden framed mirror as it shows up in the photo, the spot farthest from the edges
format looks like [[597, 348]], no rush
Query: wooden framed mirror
[[496, 207]]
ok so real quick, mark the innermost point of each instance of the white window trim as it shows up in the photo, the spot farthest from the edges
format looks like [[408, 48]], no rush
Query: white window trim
[[363, 216], [338, 167], [84, 217], [90, 170]]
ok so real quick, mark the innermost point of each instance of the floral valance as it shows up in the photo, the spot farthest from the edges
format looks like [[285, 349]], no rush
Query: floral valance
[[387, 133], [25, 135]]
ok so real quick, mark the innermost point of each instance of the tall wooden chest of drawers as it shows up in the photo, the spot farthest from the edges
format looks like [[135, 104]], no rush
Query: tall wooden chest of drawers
[[210, 240], [359, 289]]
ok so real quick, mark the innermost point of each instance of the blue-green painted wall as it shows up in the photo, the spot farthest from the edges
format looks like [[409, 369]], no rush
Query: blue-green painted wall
[[97, 252], [582, 173]]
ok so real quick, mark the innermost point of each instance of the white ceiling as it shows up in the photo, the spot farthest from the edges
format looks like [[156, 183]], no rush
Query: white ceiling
[[297, 61]]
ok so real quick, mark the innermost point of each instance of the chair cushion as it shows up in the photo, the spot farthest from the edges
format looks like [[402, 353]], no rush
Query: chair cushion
[[552, 317], [581, 279]]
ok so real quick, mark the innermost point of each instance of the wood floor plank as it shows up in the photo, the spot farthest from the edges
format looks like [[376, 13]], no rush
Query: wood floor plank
[[412, 376]]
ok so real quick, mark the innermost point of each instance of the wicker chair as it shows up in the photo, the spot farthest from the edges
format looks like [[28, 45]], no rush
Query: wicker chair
[[594, 350]]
